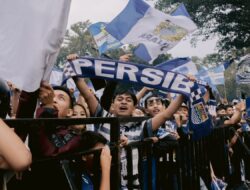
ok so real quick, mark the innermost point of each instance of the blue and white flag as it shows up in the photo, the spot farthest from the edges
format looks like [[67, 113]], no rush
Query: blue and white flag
[[243, 71], [103, 39], [212, 107], [181, 10], [139, 23], [214, 76], [199, 120], [57, 77], [182, 65]]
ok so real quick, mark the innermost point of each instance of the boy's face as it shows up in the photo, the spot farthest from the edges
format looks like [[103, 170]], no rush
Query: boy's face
[[230, 111], [154, 106], [221, 112], [79, 112], [123, 105], [183, 110], [62, 103]]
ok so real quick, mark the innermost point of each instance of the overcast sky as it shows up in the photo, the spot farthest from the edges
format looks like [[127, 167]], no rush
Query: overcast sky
[[106, 10]]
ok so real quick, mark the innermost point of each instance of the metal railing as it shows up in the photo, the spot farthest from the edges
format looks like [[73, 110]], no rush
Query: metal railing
[[187, 160]]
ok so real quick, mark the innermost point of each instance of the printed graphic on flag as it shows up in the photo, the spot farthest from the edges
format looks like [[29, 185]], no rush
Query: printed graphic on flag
[[103, 39], [139, 23], [199, 114]]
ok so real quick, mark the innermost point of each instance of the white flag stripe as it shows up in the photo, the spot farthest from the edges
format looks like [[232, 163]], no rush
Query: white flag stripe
[[31, 33]]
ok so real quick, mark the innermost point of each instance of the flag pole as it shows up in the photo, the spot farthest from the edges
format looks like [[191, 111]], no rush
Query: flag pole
[[225, 92]]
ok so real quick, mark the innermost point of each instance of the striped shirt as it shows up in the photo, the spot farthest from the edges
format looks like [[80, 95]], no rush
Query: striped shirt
[[134, 132]]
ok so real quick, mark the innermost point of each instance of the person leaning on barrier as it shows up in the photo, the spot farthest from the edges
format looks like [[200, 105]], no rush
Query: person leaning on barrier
[[50, 141], [236, 116], [123, 105], [13, 152], [84, 170], [56, 102], [154, 105], [167, 133]]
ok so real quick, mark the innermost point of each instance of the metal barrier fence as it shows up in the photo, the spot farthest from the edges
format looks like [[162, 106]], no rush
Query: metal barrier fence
[[179, 164]]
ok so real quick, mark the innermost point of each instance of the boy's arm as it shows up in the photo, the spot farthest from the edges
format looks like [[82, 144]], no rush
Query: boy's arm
[[160, 118], [26, 108], [88, 96], [142, 92], [13, 151], [237, 114], [105, 159]]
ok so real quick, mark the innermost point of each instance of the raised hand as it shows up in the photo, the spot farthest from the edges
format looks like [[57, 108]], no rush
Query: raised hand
[[46, 94]]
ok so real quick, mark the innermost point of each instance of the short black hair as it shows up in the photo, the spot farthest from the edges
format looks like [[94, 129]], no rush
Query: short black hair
[[66, 90], [89, 139], [4, 99], [220, 107], [127, 92], [228, 106]]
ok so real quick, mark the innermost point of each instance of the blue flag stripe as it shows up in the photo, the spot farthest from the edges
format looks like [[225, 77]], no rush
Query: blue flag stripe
[[181, 10], [133, 12]]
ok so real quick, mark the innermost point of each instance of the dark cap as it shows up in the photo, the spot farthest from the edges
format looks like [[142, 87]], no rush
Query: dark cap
[[4, 98], [66, 90]]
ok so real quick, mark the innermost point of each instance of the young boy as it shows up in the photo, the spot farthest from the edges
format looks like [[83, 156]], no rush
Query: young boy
[[123, 105], [154, 105], [51, 141], [55, 103]]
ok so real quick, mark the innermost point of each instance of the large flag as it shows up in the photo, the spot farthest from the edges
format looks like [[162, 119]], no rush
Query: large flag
[[181, 10], [31, 33], [56, 77], [103, 39], [243, 70], [215, 75], [182, 65], [156, 31]]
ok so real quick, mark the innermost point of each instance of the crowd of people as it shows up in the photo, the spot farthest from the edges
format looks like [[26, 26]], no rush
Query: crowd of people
[[167, 119]]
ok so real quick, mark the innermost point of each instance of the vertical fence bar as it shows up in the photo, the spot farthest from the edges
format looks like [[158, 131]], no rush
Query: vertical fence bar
[[114, 139], [149, 163], [179, 165], [129, 167]]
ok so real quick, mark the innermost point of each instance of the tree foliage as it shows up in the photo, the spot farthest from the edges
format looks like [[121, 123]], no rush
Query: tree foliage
[[229, 19], [77, 40]]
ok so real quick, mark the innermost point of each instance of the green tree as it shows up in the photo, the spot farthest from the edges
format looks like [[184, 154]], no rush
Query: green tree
[[77, 40], [229, 19]]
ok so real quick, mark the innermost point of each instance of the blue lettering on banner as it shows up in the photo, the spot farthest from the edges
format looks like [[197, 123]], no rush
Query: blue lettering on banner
[[133, 73], [148, 76]]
